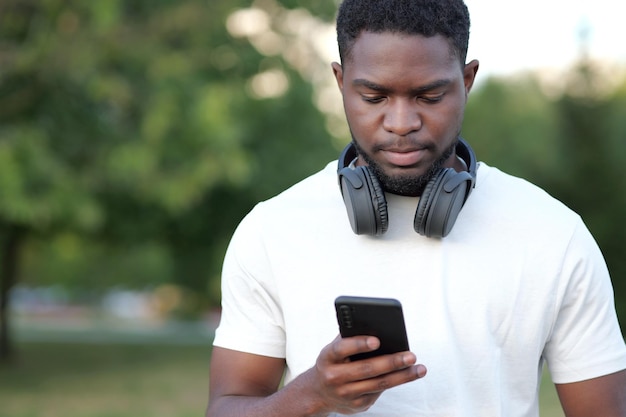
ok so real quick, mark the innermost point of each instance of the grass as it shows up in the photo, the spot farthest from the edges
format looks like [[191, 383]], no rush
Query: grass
[[89, 380], [124, 380], [548, 400]]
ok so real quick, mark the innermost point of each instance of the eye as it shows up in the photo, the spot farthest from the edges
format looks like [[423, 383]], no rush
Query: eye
[[372, 99], [431, 99]]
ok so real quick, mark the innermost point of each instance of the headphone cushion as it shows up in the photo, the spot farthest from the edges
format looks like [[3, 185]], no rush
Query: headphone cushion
[[365, 201], [426, 202], [379, 202], [441, 203]]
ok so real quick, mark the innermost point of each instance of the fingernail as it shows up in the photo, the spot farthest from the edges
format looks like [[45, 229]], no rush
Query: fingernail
[[373, 343], [409, 359]]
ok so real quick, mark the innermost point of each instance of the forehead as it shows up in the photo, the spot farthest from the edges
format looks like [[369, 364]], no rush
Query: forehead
[[394, 56]]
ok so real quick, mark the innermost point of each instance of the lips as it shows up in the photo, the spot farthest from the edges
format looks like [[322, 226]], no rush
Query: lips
[[403, 158]]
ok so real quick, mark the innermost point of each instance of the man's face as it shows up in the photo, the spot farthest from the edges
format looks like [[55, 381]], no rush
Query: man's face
[[404, 98]]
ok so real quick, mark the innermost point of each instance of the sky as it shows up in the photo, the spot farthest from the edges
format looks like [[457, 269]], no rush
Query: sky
[[543, 36], [509, 37]]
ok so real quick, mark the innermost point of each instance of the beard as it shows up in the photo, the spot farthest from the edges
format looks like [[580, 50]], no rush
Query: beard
[[405, 185]]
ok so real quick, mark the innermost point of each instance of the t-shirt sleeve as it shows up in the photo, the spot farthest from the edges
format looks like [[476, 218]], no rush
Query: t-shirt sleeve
[[586, 341], [251, 319]]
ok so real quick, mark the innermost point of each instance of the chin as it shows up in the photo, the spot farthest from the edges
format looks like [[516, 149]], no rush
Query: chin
[[406, 185]]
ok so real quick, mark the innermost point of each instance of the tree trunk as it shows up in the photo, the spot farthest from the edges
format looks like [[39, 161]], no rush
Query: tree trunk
[[8, 276]]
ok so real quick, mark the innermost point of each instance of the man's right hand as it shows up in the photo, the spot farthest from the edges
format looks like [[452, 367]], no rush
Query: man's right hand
[[245, 384], [340, 385]]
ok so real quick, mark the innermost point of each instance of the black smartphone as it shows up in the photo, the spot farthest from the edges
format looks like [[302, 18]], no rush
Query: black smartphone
[[380, 317]]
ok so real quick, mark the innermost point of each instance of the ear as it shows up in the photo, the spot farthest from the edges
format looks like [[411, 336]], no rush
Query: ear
[[338, 72], [469, 75]]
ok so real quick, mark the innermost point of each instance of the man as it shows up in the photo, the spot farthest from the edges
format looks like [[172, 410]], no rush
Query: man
[[514, 282]]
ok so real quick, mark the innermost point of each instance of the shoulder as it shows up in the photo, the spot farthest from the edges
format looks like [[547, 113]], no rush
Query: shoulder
[[322, 184], [519, 200], [314, 193], [498, 183], [302, 205], [509, 213]]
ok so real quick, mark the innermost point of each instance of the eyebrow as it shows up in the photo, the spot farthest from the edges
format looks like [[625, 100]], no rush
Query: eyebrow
[[362, 82]]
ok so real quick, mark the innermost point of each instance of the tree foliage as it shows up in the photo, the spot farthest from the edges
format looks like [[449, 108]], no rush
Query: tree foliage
[[135, 135], [130, 144], [593, 147]]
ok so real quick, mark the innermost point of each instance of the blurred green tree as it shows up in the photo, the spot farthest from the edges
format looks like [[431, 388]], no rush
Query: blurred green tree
[[141, 126], [511, 123], [593, 151]]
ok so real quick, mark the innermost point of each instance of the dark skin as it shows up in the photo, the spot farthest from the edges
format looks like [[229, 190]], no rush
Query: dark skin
[[243, 384], [604, 396], [404, 98]]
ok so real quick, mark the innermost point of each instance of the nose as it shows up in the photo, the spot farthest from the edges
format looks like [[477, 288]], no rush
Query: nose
[[402, 117]]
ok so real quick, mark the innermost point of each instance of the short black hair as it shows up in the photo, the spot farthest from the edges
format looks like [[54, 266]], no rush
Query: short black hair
[[449, 18]]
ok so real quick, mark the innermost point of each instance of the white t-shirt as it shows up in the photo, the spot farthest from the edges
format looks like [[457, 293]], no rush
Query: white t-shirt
[[518, 280]]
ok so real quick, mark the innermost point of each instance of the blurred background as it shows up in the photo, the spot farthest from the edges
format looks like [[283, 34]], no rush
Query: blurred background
[[134, 135]]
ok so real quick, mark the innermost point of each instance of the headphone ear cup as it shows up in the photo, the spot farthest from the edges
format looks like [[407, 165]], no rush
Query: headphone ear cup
[[440, 204], [439, 207], [364, 200], [379, 202], [426, 203]]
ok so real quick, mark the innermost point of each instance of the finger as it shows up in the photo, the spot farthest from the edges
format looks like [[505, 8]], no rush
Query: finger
[[358, 404], [340, 349], [377, 385], [380, 365]]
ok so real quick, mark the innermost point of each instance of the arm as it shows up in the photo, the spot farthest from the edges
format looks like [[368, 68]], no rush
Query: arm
[[243, 384], [604, 396]]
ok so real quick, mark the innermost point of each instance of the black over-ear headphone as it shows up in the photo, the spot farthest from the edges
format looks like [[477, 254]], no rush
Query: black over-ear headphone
[[438, 207]]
